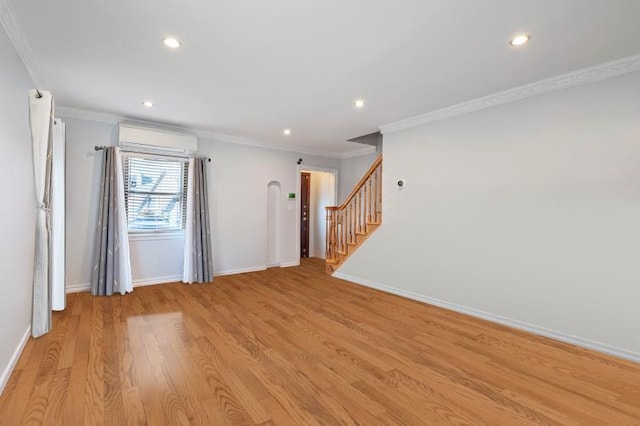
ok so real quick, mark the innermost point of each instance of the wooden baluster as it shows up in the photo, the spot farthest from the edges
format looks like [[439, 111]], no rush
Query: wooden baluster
[[349, 224], [363, 206], [372, 208], [353, 222], [340, 226], [379, 192], [365, 210], [370, 218], [355, 213], [338, 233], [343, 247], [375, 204], [343, 236], [360, 210], [360, 207], [367, 197]]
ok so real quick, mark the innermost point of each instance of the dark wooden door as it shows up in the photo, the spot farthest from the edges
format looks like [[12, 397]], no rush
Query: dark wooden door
[[305, 189]]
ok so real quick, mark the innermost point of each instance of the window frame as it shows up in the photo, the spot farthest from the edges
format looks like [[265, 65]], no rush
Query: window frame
[[156, 233]]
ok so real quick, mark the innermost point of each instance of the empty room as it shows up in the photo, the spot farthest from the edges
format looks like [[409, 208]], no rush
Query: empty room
[[424, 212]]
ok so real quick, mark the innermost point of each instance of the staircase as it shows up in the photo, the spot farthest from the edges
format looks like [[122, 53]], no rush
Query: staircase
[[351, 223]]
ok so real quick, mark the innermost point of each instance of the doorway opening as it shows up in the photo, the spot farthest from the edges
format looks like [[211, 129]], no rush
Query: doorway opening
[[317, 191]]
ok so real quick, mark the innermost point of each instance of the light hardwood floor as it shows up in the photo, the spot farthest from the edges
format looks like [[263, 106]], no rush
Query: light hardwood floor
[[297, 347]]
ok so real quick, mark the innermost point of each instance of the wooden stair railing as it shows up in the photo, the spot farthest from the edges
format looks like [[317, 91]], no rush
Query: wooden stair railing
[[349, 224]]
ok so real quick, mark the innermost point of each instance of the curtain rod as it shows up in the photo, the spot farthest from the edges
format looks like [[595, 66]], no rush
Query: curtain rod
[[100, 148]]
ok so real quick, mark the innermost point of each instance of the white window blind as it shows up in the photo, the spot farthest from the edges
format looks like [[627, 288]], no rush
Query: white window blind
[[155, 192]]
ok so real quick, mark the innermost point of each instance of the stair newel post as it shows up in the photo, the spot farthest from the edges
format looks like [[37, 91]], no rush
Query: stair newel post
[[327, 248], [330, 234]]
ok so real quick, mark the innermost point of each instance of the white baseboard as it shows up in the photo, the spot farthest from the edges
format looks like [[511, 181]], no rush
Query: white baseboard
[[282, 265], [509, 322], [240, 271], [78, 288], [4, 379], [157, 280]]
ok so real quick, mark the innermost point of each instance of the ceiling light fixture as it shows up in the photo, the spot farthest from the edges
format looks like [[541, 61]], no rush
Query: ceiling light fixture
[[358, 103], [287, 132], [171, 42], [519, 40], [148, 104]]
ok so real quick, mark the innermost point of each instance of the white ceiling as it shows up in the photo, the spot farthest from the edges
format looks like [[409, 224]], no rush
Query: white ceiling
[[253, 68]]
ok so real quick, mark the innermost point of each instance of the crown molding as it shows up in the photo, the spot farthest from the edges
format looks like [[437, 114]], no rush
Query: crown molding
[[358, 152], [82, 114], [587, 75], [99, 117], [12, 26], [113, 119], [238, 140]]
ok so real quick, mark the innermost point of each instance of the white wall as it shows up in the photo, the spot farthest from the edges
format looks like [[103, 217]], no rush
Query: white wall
[[238, 195], [17, 210], [82, 182], [529, 211], [351, 171], [323, 194], [238, 179]]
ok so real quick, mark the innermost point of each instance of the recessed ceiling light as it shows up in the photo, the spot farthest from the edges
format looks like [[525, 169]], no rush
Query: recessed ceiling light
[[148, 104], [287, 132], [358, 103], [171, 42], [519, 40]]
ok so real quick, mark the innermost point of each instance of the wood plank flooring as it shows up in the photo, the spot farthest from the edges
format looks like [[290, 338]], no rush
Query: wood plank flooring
[[297, 347]]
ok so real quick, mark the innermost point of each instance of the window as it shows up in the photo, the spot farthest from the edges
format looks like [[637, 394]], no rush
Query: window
[[155, 192]]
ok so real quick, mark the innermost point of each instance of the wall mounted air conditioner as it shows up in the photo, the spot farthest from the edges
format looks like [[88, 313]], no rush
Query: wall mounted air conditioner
[[138, 137]]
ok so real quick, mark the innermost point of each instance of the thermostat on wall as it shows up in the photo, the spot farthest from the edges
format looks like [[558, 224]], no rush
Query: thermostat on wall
[[292, 196]]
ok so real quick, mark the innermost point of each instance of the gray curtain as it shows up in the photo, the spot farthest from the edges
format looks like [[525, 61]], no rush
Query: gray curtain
[[198, 264], [111, 271]]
